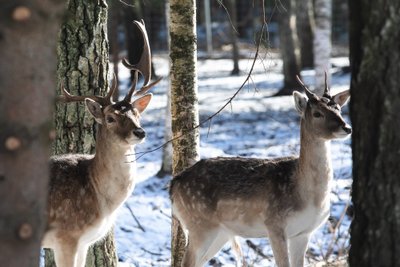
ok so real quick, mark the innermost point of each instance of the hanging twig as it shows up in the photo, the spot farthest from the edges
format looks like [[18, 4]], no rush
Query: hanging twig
[[229, 102], [134, 217]]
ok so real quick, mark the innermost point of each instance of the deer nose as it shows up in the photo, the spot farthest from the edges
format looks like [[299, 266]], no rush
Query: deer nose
[[347, 128], [140, 133]]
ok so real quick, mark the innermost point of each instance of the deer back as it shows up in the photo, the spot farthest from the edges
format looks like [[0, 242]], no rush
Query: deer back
[[208, 184]]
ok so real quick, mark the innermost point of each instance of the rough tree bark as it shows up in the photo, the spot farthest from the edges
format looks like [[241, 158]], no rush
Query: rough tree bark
[[28, 34], [289, 47], [184, 108], [83, 70], [375, 109], [322, 43], [305, 29]]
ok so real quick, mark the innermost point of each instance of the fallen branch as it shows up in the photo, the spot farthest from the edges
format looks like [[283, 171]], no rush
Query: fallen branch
[[134, 217], [151, 253], [257, 250]]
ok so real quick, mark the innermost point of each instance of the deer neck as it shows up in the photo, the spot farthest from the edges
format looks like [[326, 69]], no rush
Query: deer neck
[[113, 170], [315, 168]]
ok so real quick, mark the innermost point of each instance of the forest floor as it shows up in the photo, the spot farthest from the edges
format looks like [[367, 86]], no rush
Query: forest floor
[[254, 125]]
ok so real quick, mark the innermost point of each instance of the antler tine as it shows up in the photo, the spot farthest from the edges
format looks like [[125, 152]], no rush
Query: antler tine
[[144, 64], [66, 97], [326, 90], [113, 87], [146, 88], [131, 92], [309, 94]]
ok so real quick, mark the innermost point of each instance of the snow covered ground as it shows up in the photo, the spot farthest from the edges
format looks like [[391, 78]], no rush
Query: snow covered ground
[[255, 125]]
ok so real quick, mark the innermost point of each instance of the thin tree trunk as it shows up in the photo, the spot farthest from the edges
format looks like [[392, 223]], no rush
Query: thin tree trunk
[[166, 162], [83, 70], [184, 108], [305, 29], [322, 43], [289, 47], [28, 32], [234, 37], [375, 105], [115, 19]]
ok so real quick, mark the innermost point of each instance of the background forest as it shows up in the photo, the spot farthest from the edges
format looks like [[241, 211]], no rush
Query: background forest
[[228, 70]]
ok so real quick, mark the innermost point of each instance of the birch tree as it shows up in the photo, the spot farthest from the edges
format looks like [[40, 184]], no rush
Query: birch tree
[[184, 108], [83, 69], [28, 34], [374, 110], [322, 43]]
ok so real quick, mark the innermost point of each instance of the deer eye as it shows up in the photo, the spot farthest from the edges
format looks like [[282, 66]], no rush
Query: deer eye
[[317, 114], [110, 119]]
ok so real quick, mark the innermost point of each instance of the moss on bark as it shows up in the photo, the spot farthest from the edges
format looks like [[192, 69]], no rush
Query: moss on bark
[[184, 109]]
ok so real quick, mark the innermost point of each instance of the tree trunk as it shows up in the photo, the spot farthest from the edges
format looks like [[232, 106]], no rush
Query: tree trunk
[[28, 33], [166, 163], [289, 47], [184, 108], [83, 70], [375, 105], [305, 29], [234, 36], [322, 43], [114, 19]]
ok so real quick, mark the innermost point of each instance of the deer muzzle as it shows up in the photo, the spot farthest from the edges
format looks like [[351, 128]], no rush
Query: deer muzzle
[[139, 133]]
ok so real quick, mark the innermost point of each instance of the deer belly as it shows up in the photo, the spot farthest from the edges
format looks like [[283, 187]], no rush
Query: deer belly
[[242, 218], [246, 229], [97, 230], [306, 221]]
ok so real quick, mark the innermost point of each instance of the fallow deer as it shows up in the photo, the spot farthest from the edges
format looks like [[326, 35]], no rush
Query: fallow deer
[[86, 190], [284, 199]]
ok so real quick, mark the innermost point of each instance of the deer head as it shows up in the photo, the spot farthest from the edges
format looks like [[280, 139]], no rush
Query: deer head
[[322, 115], [122, 118]]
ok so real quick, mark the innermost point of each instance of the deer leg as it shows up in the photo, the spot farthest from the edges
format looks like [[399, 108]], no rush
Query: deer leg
[[81, 257], [297, 249], [240, 261], [66, 253], [279, 247], [202, 246]]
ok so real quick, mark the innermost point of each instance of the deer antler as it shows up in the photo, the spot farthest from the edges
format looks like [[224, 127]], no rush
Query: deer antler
[[143, 66], [308, 92], [326, 90], [104, 101]]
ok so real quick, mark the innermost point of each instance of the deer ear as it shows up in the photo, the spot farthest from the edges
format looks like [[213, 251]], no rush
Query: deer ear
[[341, 98], [94, 109], [300, 102], [141, 103]]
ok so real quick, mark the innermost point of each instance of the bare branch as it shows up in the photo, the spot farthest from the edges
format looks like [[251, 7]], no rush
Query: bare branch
[[229, 101], [134, 217]]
